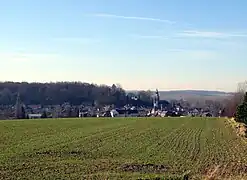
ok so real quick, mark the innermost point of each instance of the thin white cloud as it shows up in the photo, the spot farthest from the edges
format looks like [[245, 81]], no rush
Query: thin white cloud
[[209, 34], [193, 34], [106, 15]]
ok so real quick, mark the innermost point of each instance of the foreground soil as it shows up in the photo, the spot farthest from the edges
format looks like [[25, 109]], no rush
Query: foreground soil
[[121, 148]]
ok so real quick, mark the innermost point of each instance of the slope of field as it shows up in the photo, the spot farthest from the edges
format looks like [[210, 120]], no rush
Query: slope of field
[[120, 148]]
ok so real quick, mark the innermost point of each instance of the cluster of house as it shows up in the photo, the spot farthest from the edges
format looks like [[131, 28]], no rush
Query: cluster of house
[[173, 112], [159, 109], [61, 111]]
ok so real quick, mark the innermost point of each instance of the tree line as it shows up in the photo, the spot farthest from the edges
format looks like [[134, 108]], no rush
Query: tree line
[[75, 93], [236, 99], [79, 93], [237, 105]]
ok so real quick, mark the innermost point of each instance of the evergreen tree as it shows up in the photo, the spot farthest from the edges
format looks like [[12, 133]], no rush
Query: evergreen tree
[[241, 112], [77, 111], [18, 108]]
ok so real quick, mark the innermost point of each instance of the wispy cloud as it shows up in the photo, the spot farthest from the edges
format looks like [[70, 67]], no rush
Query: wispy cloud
[[192, 34], [209, 34], [106, 15]]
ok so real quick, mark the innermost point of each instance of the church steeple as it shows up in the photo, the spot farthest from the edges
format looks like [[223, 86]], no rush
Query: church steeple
[[157, 95], [156, 100]]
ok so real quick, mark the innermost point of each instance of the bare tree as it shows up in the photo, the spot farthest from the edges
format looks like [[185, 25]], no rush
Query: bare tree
[[236, 99], [242, 88]]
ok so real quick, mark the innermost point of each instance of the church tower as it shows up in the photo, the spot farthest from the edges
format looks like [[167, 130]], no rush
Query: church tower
[[156, 100], [158, 96]]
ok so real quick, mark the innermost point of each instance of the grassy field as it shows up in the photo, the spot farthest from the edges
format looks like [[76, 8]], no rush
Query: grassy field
[[120, 148]]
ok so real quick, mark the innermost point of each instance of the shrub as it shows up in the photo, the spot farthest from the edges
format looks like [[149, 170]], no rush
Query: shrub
[[241, 112]]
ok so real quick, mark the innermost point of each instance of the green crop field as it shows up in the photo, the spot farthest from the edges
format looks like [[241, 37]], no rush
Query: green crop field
[[127, 148]]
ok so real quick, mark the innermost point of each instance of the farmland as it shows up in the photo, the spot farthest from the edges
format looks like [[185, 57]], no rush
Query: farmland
[[126, 148]]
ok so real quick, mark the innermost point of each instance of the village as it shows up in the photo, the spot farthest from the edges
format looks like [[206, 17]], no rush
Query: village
[[160, 108]]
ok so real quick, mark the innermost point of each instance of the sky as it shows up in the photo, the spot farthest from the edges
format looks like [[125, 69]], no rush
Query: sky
[[140, 44]]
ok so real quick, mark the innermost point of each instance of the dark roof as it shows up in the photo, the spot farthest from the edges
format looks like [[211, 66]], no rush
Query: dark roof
[[128, 111]]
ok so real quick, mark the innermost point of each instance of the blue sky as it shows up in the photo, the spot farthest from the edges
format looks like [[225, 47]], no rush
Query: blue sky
[[141, 44]]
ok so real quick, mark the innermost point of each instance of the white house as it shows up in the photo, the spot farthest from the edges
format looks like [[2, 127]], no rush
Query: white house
[[34, 116]]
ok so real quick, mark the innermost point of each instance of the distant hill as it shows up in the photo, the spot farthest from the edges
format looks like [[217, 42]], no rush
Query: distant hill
[[192, 94]]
